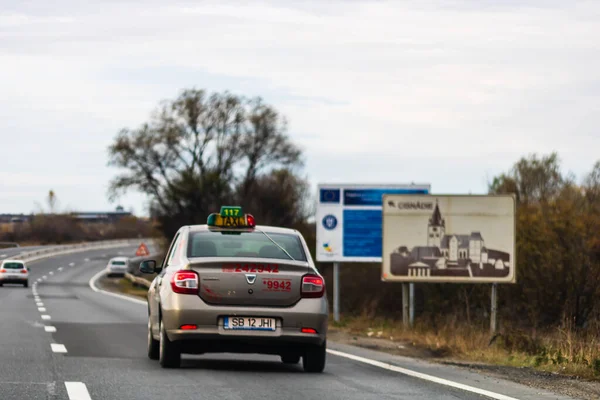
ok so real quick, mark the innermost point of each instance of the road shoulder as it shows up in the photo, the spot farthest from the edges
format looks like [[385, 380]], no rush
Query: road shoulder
[[545, 382]]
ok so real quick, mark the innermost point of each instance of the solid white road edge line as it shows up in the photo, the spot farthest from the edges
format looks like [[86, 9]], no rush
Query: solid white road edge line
[[420, 375], [49, 328], [58, 348], [77, 391], [120, 296]]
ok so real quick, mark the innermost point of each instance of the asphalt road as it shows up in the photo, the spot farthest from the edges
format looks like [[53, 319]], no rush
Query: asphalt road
[[79, 344]]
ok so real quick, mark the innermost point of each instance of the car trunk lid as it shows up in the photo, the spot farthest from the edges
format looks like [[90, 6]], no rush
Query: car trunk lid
[[256, 282]]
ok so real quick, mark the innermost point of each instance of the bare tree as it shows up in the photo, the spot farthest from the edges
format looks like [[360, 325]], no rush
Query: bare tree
[[199, 151]]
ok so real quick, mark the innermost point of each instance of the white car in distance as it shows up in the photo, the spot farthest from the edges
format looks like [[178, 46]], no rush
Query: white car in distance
[[117, 266], [14, 271]]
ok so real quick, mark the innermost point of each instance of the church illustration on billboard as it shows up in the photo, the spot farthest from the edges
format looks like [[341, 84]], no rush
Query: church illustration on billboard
[[449, 254]]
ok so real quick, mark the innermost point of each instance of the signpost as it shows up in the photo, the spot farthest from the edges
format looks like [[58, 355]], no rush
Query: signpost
[[450, 238], [348, 223]]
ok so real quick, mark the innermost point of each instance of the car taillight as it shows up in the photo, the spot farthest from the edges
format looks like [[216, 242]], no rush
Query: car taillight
[[185, 282], [312, 286], [2, 270], [23, 271]]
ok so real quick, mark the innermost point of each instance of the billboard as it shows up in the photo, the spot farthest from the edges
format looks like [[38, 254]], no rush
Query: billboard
[[348, 220], [449, 238]]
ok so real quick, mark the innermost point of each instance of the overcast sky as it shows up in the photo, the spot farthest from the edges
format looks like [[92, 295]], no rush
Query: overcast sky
[[449, 93]]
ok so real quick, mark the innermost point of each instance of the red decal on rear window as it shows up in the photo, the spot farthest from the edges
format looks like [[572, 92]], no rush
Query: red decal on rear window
[[228, 267], [251, 268]]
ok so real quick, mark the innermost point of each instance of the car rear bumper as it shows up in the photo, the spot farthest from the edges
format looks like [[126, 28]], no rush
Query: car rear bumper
[[13, 279], [116, 271], [211, 335], [211, 340]]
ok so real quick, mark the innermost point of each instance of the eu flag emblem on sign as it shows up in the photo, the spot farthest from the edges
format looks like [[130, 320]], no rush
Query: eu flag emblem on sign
[[330, 195]]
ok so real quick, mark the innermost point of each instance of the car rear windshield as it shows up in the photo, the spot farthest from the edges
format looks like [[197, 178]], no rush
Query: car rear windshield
[[245, 245], [118, 263], [12, 265]]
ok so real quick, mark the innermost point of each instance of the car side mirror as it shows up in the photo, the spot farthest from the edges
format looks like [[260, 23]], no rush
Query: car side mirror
[[148, 267]]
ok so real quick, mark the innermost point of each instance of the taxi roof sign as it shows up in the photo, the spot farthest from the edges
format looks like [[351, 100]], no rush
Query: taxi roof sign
[[231, 217]]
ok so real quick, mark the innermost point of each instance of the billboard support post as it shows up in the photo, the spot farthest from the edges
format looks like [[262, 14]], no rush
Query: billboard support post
[[412, 304], [336, 292], [494, 309], [405, 304]]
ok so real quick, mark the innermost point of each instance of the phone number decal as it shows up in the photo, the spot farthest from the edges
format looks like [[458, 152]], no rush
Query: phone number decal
[[252, 268], [277, 285]]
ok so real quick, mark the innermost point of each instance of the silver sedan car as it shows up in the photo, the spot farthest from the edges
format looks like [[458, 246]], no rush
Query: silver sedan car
[[232, 286]]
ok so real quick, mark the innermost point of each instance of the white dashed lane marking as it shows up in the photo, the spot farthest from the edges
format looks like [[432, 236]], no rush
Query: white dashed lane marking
[[71, 264], [50, 329], [58, 348], [39, 280], [77, 391], [60, 268], [51, 273], [46, 317], [44, 277], [41, 309], [87, 259]]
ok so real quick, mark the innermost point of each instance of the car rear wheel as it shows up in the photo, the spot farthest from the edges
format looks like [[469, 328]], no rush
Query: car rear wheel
[[26, 284], [314, 358], [290, 359], [169, 353], [153, 344]]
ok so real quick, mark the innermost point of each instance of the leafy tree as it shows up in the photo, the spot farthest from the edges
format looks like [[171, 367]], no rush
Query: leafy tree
[[558, 232], [200, 151]]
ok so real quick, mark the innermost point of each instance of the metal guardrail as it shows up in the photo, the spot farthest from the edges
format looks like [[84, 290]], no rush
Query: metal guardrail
[[138, 280], [74, 248]]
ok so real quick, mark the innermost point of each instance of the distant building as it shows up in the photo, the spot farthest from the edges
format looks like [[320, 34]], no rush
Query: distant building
[[14, 218], [106, 217]]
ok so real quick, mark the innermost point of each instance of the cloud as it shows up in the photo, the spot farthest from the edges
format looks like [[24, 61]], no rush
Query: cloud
[[444, 92]]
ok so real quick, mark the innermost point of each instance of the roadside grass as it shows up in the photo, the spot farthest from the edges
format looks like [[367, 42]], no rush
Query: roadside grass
[[122, 285], [127, 287], [563, 351]]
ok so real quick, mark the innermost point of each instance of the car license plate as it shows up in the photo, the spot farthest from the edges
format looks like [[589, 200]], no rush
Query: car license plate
[[249, 323]]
